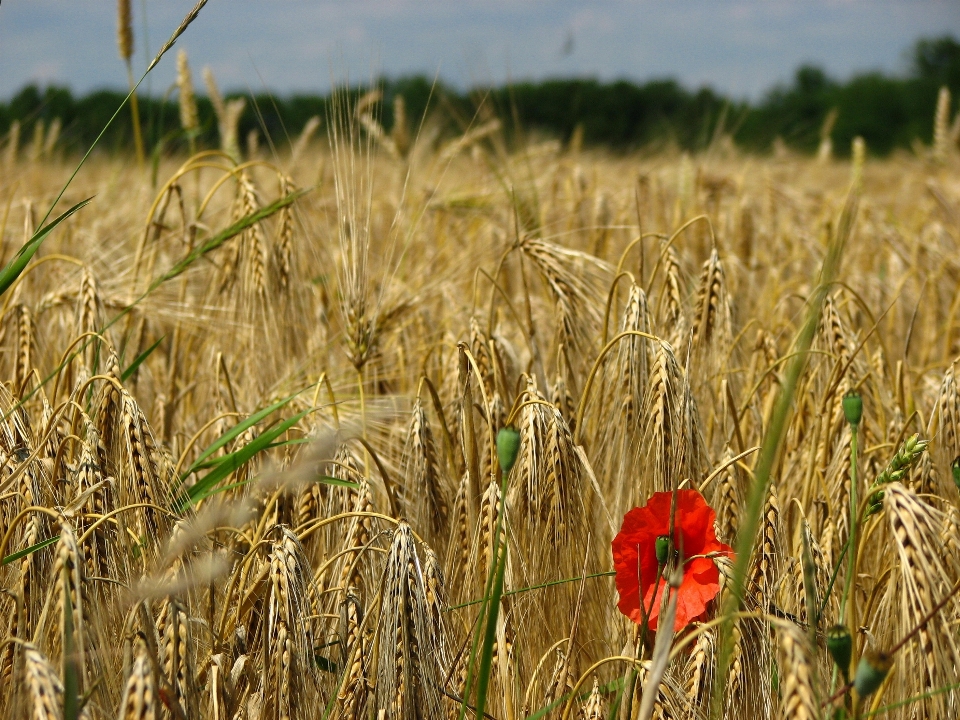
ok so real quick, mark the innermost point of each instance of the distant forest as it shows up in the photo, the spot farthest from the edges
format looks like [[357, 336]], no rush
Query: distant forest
[[889, 112]]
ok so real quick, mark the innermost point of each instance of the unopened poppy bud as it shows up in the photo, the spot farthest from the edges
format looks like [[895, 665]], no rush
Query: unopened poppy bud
[[955, 469], [508, 446], [840, 645], [663, 549], [871, 672], [853, 407]]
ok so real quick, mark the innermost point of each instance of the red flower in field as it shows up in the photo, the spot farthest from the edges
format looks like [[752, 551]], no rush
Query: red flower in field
[[694, 540]]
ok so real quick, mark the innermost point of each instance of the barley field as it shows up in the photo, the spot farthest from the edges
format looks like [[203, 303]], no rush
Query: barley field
[[255, 406]]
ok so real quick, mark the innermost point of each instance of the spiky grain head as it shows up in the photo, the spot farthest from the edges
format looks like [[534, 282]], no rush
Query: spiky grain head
[[124, 30], [407, 676], [925, 578], [189, 119]]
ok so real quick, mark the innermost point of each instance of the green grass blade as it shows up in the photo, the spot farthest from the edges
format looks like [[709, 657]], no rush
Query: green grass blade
[[541, 586], [326, 480], [221, 237], [213, 462], [16, 266], [236, 460], [746, 537], [490, 632], [234, 432], [13, 557], [138, 361], [910, 700]]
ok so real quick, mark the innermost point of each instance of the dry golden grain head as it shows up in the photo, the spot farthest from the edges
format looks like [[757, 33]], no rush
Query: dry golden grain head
[[594, 708], [229, 126], [634, 353], [673, 315], [189, 120], [667, 703], [45, 688], [735, 669], [252, 247], [139, 700], [698, 673], [213, 92], [434, 591], [480, 349], [767, 554], [23, 357], [570, 275], [458, 546], [833, 332], [663, 424], [88, 304], [358, 537], [177, 653], [407, 684], [425, 492], [859, 153], [712, 325], [68, 573], [124, 30], [283, 245], [303, 139], [485, 538], [947, 416], [926, 577], [355, 644], [728, 498], [400, 134], [51, 138], [141, 477], [798, 695], [13, 144], [942, 147]]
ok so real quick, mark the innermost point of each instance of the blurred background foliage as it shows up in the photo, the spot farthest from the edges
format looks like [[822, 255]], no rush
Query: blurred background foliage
[[889, 112]]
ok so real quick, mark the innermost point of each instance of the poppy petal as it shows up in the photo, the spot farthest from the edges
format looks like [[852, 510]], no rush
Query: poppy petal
[[635, 562]]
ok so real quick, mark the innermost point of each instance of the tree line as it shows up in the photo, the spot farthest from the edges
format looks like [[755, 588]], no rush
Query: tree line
[[889, 112]]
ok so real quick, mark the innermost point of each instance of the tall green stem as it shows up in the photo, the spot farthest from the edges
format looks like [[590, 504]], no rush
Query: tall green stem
[[849, 591], [773, 436]]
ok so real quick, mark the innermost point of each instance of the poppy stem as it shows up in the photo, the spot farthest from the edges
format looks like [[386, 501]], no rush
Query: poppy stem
[[849, 592], [646, 612]]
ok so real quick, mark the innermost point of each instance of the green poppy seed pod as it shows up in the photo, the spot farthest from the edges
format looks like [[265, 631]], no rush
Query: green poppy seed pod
[[663, 549], [853, 407], [871, 672], [840, 645], [955, 469], [508, 446]]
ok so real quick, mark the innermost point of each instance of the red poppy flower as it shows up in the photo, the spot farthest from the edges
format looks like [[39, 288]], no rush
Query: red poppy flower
[[635, 557]]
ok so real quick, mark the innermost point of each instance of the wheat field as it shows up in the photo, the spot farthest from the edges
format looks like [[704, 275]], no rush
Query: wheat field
[[250, 413]]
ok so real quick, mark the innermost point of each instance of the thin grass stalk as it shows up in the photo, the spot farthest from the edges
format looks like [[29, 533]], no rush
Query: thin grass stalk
[[774, 436]]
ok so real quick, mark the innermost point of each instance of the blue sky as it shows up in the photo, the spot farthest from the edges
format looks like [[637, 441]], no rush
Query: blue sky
[[741, 47]]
